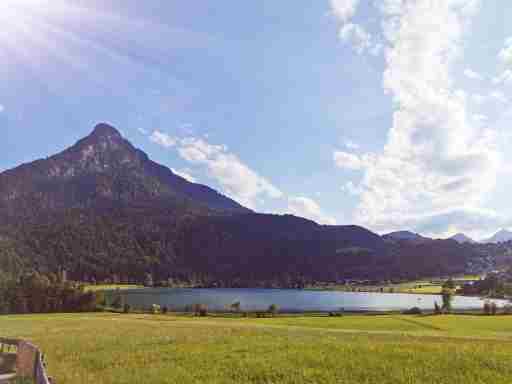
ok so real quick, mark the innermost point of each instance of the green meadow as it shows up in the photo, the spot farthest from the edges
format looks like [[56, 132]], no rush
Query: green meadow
[[142, 348]]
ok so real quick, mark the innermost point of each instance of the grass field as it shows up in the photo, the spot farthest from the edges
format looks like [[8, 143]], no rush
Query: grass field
[[419, 287], [111, 348], [431, 286]]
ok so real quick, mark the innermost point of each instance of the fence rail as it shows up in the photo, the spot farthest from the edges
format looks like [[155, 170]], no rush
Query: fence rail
[[29, 360]]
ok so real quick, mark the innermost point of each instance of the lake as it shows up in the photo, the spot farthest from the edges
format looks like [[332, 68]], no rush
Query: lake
[[287, 300]]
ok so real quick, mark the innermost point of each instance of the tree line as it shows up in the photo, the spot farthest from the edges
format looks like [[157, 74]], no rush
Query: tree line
[[38, 293]]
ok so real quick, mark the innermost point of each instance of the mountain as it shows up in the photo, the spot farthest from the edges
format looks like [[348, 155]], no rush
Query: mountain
[[462, 238], [403, 235], [102, 209], [499, 237], [101, 169]]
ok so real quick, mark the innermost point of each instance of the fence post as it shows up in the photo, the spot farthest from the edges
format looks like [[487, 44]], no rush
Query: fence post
[[36, 366], [25, 360]]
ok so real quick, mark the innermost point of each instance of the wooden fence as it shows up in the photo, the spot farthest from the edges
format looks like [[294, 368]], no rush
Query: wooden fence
[[29, 361]]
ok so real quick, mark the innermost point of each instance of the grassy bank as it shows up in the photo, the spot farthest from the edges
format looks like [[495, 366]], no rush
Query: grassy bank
[[109, 287], [111, 348]]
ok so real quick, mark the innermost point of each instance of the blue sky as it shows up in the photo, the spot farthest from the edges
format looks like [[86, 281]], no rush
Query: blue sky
[[389, 114]]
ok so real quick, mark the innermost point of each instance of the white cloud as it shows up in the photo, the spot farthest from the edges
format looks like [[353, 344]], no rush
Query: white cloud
[[162, 139], [493, 96], [308, 208], [351, 144], [2, 108], [346, 160], [504, 78], [498, 96], [185, 174], [344, 10], [478, 98], [480, 118], [357, 36], [477, 223], [390, 7], [143, 131], [505, 54], [237, 179], [470, 74], [436, 160], [354, 34], [352, 189]]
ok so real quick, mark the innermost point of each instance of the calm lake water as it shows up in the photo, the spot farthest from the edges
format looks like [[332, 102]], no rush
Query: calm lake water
[[288, 300]]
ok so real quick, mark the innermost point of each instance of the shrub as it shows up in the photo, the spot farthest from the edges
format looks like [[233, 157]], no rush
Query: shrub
[[447, 295], [100, 299], [413, 311], [155, 309], [273, 309], [200, 310], [487, 307], [235, 307], [437, 308], [126, 308], [494, 308], [449, 284], [165, 310], [117, 301]]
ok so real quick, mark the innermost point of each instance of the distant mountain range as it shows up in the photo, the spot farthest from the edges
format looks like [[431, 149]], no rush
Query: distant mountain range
[[500, 237], [102, 209]]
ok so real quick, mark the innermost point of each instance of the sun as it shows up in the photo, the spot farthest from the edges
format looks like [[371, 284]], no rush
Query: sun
[[44, 39], [26, 38], [13, 12]]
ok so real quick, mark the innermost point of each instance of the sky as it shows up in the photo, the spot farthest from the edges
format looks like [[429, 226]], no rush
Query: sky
[[390, 114]]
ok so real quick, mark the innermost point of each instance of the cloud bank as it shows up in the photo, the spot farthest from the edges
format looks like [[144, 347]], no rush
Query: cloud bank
[[236, 178], [438, 162]]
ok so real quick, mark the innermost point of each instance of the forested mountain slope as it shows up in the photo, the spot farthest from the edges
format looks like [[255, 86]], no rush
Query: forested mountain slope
[[103, 208]]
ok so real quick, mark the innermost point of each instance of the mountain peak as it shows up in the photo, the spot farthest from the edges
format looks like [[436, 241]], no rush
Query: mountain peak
[[404, 235], [102, 167], [105, 130], [461, 238]]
